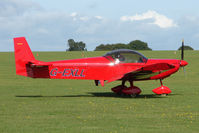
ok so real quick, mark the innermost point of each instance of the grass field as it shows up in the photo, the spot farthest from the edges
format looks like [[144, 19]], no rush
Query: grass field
[[78, 106]]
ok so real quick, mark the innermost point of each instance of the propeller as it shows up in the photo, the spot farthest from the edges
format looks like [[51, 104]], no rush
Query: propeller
[[182, 62], [182, 50]]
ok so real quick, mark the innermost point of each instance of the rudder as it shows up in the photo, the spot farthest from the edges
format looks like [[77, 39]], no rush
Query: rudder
[[23, 55]]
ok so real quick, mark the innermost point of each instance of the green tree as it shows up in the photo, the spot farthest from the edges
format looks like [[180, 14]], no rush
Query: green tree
[[81, 46], [119, 46], [135, 45], [71, 45], [103, 47], [186, 48], [76, 46], [138, 45]]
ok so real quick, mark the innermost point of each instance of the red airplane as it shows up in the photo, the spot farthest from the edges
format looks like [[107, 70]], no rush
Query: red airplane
[[121, 64]]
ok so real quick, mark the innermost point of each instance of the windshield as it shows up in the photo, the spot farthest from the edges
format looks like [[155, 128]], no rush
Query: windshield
[[125, 56]]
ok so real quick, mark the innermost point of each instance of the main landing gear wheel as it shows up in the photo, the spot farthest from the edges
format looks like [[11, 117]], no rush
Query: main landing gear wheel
[[123, 90], [118, 89]]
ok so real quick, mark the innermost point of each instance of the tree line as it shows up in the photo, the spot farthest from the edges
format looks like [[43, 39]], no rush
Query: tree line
[[134, 45]]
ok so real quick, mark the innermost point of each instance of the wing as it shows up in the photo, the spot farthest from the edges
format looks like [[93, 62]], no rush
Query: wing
[[153, 71], [146, 72]]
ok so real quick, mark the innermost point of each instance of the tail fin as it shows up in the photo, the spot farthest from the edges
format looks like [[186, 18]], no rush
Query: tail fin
[[23, 55]]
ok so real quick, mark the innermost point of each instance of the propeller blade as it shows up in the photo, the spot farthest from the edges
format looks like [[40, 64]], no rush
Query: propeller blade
[[182, 62], [182, 50]]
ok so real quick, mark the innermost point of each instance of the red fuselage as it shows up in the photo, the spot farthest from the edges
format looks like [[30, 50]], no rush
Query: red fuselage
[[100, 68]]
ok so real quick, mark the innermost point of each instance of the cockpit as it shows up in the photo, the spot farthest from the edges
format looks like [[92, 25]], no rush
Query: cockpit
[[125, 56]]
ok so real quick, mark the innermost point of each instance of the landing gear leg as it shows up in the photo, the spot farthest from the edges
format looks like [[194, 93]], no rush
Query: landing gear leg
[[123, 83]]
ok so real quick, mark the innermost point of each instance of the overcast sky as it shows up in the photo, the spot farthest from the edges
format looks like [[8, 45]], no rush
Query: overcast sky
[[47, 25]]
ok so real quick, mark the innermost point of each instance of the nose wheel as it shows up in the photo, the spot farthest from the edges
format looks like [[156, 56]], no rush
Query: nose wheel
[[162, 90]]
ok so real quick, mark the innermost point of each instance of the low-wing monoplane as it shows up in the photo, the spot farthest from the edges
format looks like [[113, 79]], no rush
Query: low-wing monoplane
[[122, 64]]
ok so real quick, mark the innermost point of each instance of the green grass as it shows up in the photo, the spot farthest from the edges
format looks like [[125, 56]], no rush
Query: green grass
[[49, 106]]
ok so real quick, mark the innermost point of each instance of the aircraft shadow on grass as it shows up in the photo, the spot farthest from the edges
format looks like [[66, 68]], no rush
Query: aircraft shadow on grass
[[97, 94]]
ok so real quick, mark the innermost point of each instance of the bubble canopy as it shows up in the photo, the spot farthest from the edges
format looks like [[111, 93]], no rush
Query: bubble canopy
[[126, 56]]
